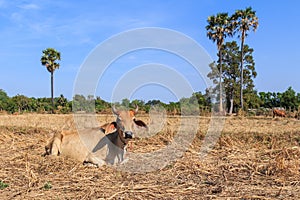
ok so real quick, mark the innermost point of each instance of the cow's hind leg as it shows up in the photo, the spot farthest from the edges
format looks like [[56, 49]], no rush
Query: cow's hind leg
[[53, 147], [48, 148]]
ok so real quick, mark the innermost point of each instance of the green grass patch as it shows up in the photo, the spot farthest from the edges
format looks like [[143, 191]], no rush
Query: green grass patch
[[3, 185], [47, 186]]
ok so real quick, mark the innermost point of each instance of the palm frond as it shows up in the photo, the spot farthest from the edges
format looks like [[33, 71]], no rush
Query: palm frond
[[49, 58]]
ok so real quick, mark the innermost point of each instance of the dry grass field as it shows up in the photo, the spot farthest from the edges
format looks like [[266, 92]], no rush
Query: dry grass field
[[255, 158]]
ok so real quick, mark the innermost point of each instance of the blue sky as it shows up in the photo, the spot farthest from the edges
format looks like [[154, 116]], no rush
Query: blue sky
[[75, 28]]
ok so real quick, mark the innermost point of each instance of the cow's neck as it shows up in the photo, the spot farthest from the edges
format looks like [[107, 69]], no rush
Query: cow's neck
[[122, 139]]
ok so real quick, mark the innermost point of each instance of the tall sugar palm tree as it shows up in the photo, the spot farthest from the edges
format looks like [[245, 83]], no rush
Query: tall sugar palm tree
[[218, 28], [49, 60], [243, 22]]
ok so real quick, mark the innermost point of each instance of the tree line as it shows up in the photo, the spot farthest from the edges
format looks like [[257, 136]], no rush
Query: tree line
[[234, 70], [232, 73], [289, 100]]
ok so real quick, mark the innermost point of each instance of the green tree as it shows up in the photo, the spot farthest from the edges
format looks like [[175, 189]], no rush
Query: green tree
[[61, 101], [32, 104], [231, 74], [251, 99], [81, 103], [62, 105], [173, 108], [49, 59], [101, 105], [289, 99], [189, 106], [125, 103], [4, 100], [218, 28], [244, 21], [139, 103], [22, 102], [203, 100], [44, 104], [154, 102], [266, 99]]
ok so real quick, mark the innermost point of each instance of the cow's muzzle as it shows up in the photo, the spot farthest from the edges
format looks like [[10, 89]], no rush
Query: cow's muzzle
[[128, 135]]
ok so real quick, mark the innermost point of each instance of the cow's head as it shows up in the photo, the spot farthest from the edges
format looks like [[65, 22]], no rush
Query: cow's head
[[126, 121]]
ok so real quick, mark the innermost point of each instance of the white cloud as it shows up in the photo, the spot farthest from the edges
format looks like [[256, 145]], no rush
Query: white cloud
[[30, 6]]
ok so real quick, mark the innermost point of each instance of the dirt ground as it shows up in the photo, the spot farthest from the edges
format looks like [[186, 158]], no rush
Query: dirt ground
[[254, 158]]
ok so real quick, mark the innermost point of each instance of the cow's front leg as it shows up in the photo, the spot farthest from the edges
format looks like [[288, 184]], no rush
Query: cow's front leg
[[122, 157], [92, 160]]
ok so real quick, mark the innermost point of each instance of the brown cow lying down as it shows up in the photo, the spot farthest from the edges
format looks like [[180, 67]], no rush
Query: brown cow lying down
[[93, 145], [279, 113]]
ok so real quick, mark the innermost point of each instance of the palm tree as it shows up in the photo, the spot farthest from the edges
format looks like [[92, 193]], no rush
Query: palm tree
[[218, 28], [244, 21], [49, 58]]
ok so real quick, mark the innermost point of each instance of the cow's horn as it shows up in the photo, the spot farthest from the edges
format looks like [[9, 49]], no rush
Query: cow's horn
[[115, 111], [136, 108]]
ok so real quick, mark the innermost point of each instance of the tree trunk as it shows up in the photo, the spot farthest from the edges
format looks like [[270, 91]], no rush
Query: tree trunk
[[220, 82], [242, 70], [231, 103], [52, 98]]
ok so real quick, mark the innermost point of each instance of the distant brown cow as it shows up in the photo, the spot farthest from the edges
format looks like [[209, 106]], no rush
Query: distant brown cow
[[279, 113], [93, 145]]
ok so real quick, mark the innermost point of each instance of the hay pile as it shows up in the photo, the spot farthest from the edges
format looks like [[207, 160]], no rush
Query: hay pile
[[253, 159]]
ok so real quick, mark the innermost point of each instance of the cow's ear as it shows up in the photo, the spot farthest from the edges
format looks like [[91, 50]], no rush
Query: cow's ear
[[111, 127], [140, 123], [103, 127], [108, 127], [132, 113]]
